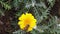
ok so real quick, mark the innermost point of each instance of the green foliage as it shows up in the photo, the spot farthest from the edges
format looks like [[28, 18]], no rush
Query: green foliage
[[41, 12], [39, 9], [5, 5], [1, 13], [16, 3]]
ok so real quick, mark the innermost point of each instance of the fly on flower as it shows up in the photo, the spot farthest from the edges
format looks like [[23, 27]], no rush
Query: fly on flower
[[27, 22]]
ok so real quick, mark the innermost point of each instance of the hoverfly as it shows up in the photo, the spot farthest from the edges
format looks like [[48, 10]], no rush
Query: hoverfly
[[26, 28]]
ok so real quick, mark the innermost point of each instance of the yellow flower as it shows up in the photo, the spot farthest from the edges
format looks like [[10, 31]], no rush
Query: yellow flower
[[27, 22]]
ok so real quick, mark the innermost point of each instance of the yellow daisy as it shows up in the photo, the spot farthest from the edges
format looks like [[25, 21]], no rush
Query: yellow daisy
[[27, 22]]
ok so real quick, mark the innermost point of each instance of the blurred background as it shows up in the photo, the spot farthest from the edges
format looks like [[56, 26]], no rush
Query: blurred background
[[47, 13]]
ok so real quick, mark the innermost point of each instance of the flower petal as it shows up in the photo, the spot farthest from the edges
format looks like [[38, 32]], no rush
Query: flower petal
[[22, 17]]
